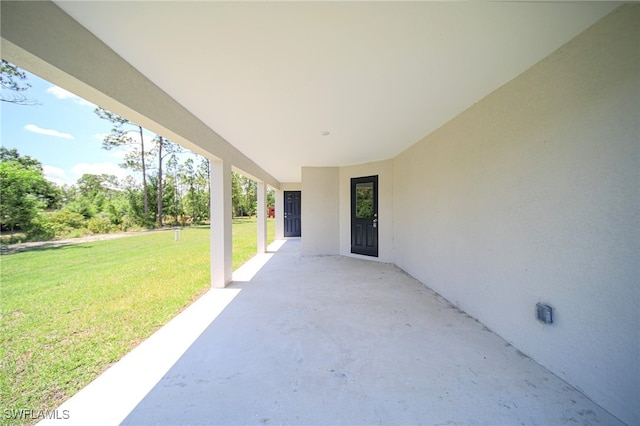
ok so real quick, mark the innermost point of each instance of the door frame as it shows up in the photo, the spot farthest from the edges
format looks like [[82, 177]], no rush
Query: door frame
[[364, 230]]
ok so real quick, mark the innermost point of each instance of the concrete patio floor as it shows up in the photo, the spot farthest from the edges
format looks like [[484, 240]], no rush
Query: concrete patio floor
[[328, 340]]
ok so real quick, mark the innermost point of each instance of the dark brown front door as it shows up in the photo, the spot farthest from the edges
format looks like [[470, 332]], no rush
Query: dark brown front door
[[364, 215], [292, 213]]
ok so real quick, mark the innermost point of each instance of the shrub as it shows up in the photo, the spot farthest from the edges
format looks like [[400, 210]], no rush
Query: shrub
[[43, 228], [117, 210], [131, 223], [75, 233], [68, 219], [82, 207], [60, 224], [99, 225]]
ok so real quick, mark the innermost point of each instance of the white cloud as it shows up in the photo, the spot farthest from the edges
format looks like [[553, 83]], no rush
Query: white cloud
[[100, 136], [50, 132], [60, 93], [71, 176], [56, 175], [134, 135], [120, 153], [99, 168], [117, 152], [148, 138]]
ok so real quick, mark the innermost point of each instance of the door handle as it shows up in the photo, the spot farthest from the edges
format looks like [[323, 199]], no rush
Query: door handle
[[375, 223]]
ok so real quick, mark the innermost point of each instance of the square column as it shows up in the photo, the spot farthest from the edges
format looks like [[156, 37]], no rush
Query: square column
[[262, 217], [221, 220]]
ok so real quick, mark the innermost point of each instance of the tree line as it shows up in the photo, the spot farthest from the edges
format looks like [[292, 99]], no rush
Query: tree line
[[34, 208], [42, 210], [173, 191]]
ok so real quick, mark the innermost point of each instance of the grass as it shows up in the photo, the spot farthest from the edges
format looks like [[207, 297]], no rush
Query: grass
[[245, 239], [67, 313]]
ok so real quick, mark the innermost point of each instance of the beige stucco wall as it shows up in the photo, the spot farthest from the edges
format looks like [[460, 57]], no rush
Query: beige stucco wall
[[326, 209], [384, 170], [320, 210], [533, 195]]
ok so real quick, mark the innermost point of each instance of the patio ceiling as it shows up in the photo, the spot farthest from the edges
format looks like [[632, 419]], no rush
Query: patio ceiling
[[273, 78]]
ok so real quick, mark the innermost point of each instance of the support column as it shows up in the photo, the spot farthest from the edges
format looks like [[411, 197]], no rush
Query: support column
[[262, 217], [221, 220], [279, 214]]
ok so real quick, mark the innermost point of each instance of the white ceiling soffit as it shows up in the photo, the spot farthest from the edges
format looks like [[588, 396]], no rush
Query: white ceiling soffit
[[273, 78]]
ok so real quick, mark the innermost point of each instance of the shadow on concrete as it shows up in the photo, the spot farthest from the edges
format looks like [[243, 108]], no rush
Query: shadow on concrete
[[335, 340]]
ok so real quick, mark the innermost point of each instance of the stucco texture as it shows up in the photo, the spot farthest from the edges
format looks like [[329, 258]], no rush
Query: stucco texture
[[532, 195], [320, 210]]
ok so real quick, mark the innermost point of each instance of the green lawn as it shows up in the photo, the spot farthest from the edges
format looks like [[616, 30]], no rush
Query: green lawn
[[245, 239], [67, 313]]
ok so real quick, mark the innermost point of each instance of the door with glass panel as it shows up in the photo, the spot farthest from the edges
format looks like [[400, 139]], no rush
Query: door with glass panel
[[364, 215]]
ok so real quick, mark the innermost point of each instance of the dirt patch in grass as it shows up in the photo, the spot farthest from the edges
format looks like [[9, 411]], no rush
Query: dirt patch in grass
[[12, 248]]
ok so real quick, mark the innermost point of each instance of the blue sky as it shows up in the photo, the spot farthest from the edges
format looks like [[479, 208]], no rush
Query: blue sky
[[62, 132]]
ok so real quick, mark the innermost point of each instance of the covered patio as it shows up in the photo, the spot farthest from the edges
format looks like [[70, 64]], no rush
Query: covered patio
[[504, 144], [328, 340]]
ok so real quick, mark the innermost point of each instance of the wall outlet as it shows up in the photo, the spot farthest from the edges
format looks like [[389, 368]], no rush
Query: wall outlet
[[544, 313]]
